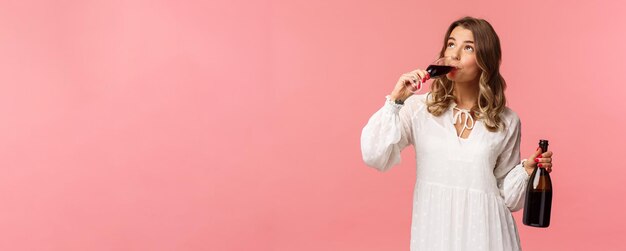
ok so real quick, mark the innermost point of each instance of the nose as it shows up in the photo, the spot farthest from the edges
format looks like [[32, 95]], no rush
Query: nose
[[454, 57], [454, 54]]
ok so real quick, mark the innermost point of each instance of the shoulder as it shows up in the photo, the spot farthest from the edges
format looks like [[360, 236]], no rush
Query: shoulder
[[510, 119]]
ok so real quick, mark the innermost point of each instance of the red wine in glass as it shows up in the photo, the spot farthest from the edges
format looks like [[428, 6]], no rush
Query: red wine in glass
[[439, 68], [435, 71]]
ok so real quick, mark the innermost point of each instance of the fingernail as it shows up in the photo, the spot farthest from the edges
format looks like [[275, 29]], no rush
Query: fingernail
[[539, 165], [540, 155], [536, 159]]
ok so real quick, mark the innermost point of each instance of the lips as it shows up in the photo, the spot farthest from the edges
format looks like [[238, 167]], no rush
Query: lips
[[452, 73]]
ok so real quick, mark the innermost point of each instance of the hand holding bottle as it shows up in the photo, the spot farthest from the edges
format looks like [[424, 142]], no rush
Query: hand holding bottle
[[539, 159]]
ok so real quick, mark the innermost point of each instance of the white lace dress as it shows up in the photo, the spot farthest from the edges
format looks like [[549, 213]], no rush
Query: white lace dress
[[465, 189]]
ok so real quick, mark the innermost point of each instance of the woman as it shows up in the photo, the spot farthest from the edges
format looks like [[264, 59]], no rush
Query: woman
[[467, 147]]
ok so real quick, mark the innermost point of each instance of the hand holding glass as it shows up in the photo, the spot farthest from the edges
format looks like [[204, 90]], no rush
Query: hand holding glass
[[437, 69]]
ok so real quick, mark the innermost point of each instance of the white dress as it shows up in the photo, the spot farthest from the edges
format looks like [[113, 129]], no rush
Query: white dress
[[465, 189]]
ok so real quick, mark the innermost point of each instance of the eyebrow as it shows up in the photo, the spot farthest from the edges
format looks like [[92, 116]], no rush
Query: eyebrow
[[466, 41]]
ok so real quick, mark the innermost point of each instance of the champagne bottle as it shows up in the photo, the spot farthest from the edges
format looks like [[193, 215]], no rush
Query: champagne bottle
[[538, 195]]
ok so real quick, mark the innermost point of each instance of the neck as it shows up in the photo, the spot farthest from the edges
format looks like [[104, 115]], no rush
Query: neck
[[466, 95]]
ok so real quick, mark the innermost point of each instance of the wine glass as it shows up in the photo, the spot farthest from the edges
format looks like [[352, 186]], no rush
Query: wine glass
[[437, 69]]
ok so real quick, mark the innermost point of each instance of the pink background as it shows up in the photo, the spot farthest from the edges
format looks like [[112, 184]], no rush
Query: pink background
[[235, 125]]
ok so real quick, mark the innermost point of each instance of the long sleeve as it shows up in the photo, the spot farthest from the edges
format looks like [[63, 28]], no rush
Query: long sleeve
[[387, 132], [511, 176]]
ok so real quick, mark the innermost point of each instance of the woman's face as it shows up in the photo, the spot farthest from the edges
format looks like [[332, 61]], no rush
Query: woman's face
[[460, 46]]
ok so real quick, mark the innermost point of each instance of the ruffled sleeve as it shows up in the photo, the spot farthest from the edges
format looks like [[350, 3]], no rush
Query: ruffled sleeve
[[387, 132], [511, 176]]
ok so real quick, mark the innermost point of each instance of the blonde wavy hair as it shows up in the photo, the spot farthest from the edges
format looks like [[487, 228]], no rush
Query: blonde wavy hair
[[491, 98]]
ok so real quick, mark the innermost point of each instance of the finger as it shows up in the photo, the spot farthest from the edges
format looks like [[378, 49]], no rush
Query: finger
[[416, 78], [535, 158], [416, 73], [545, 165], [415, 86], [422, 74], [408, 79], [419, 74], [411, 78], [409, 82], [543, 160], [547, 154], [538, 153]]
